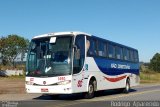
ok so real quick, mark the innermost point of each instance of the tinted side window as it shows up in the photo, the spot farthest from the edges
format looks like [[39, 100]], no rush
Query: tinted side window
[[126, 54], [79, 54], [136, 59], [119, 53], [101, 49], [111, 51], [131, 56], [92, 48]]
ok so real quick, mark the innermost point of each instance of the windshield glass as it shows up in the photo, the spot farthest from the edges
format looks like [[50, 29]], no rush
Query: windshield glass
[[48, 58]]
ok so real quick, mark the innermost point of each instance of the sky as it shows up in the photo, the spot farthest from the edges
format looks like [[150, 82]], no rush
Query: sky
[[135, 23]]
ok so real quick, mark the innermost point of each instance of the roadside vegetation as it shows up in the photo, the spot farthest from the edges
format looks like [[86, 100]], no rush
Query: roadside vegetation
[[12, 47], [150, 77], [3, 68], [150, 72]]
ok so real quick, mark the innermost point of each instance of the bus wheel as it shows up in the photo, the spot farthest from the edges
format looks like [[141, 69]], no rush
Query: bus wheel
[[91, 89], [127, 88]]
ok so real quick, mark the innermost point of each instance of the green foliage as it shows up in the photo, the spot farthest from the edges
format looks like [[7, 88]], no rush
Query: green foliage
[[150, 77], [11, 46], [155, 63]]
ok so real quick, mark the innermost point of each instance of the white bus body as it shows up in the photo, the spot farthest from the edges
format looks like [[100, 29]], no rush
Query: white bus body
[[78, 69]]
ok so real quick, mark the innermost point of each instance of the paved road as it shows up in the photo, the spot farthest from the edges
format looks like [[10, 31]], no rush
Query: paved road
[[110, 98]]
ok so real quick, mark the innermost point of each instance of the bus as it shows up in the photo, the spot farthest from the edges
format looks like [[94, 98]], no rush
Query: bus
[[77, 62]]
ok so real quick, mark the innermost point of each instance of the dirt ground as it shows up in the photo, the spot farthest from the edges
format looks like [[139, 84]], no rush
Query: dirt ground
[[12, 85]]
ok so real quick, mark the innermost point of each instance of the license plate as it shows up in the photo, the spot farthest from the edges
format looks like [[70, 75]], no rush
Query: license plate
[[44, 89]]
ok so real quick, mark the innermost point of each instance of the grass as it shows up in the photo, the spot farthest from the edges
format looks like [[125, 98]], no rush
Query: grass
[[18, 67], [150, 77], [15, 77]]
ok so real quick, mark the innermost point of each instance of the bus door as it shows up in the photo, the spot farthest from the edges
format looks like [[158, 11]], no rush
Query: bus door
[[78, 64]]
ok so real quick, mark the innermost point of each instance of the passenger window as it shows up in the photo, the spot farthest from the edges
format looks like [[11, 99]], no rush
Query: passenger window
[[92, 48], [111, 51], [131, 56], [126, 54], [101, 49], [136, 56], [119, 53], [79, 54]]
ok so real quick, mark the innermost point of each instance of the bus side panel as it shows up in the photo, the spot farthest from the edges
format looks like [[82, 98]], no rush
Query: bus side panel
[[79, 84], [111, 78], [106, 76], [102, 83]]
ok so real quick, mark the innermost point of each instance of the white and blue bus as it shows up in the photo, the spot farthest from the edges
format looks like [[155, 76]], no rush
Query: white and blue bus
[[77, 62]]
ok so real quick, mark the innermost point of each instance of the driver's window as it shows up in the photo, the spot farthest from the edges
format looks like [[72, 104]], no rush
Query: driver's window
[[79, 54]]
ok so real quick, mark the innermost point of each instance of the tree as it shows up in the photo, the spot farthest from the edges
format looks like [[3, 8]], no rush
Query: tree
[[2, 50], [155, 63], [12, 46]]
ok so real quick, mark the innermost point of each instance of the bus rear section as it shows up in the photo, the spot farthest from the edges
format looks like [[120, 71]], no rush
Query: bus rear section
[[114, 66]]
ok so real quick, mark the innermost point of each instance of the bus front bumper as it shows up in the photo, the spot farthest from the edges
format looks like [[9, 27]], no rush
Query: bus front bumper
[[59, 89]]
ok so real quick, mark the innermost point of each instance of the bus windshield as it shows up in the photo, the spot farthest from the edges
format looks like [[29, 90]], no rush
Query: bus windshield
[[49, 56]]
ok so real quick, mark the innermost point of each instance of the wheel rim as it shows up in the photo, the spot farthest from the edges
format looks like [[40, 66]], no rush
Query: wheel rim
[[127, 86], [91, 89]]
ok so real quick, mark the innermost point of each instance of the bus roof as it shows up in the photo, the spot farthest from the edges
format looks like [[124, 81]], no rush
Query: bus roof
[[61, 33]]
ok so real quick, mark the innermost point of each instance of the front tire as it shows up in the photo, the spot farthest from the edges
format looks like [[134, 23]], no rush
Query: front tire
[[91, 90]]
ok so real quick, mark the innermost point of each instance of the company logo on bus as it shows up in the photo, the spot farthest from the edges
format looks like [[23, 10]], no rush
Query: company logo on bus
[[44, 82]]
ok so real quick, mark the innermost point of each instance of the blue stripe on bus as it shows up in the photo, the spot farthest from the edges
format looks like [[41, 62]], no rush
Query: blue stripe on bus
[[105, 66]]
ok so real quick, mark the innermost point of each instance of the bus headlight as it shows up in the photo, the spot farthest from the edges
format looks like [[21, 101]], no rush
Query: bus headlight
[[64, 82], [29, 83]]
